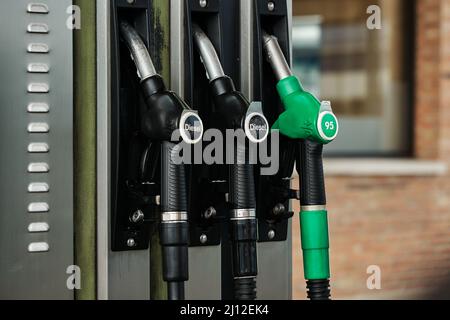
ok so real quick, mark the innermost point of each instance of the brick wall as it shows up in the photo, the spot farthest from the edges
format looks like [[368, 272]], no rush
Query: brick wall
[[428, 82], [444, 139], [401, 224]]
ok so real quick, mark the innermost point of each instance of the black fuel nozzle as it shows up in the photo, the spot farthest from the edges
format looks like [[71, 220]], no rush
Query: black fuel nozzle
[[232, 108], [164, 115]]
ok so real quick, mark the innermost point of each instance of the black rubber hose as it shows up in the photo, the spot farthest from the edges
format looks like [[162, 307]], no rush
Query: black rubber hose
[[245, 289], [312, 193], [174, 235], [318, 289], [175, 290]]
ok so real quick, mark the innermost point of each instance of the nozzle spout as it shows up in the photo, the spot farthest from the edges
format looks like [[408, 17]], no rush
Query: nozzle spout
[[276, 57], [139, 51], [208, 54]]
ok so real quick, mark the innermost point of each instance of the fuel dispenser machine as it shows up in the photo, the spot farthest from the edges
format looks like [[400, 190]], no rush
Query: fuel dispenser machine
[[160, 81], [236, 222]]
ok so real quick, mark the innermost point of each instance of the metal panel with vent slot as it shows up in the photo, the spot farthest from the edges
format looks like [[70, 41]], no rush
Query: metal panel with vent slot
[[36, 166]]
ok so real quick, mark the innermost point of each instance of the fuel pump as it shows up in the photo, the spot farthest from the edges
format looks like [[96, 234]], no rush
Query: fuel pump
[[163, 114], [313, 124], [232, 107]]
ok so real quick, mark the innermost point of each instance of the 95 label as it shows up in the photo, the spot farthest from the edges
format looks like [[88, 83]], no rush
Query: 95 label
[[328, 126]]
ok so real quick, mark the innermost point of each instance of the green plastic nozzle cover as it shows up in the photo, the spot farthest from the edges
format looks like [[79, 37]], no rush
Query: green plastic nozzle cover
[[305, 117]]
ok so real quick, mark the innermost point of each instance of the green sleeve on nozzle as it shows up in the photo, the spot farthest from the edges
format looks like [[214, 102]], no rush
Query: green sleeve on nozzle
[[291, 85], [303, 118], [315, 244]]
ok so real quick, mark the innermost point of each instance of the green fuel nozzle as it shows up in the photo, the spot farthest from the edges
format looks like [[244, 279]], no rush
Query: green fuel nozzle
[[313, 123], [305, 117]]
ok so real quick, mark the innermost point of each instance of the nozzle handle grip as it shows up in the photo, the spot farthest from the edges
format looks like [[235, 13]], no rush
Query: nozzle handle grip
[[242, 184], [173, 181], [310, 168]]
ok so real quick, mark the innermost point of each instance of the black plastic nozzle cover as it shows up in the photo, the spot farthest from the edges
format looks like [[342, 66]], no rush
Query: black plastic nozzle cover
[[163, 112]]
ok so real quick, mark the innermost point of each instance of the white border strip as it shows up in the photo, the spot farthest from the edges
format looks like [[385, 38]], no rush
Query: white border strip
[[103, 136], [384, 167]]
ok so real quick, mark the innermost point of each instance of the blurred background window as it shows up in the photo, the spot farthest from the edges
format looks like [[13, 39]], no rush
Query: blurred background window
[[367, 74]]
